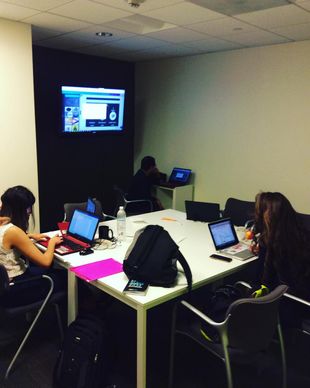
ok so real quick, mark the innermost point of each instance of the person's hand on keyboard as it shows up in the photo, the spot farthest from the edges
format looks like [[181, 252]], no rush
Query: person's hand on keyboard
[[38, 236], [56, 240]]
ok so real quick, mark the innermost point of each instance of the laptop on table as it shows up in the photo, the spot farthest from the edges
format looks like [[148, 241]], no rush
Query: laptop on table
[[202, 211], [90, 206], [178, 177], [226, 241], [80, 234]]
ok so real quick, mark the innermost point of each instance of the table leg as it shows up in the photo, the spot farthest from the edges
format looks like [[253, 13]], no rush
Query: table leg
[[141, 347], [72, 297]]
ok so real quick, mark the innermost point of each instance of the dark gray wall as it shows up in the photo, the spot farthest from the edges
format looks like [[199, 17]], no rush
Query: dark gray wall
[[71, 168]]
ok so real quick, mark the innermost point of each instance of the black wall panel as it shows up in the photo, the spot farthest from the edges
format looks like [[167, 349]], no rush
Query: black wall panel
[[73, 167]]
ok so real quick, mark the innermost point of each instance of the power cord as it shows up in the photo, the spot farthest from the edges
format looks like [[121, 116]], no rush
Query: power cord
[[102, 244]]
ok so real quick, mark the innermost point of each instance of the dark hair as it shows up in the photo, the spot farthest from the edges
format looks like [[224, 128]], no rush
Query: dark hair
[[275, 217], [147, 162], [284, 236], [17, 204]]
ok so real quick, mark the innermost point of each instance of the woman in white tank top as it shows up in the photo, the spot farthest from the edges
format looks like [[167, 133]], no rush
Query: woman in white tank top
[[18, 253]]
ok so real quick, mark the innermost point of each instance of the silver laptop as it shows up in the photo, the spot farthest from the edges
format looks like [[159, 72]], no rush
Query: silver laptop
[[226, 241]]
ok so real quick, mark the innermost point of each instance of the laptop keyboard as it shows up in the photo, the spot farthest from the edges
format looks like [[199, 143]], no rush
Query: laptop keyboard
[[72, 245], [246, 254]]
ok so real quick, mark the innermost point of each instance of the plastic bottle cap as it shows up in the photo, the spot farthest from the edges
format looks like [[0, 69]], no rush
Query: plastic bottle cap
[[121, 208]]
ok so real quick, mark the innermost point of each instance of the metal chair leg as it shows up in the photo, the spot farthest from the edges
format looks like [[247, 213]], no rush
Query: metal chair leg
[[172, 346], [31, 326], [283, 357], [227, 360], [59, 322]]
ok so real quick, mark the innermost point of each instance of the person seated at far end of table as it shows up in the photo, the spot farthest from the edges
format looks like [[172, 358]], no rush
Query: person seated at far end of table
[[143, 181]]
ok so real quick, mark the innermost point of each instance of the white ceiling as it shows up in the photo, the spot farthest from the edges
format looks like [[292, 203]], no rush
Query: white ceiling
[[160, 28]]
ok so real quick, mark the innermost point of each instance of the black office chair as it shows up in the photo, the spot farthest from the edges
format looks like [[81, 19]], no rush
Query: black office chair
[[305, 220], [131, 206], [70, 207], [11, 312], [245, 334], [239, 211]]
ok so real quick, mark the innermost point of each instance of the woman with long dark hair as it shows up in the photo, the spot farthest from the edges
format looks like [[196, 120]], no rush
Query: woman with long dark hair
[[21, 258], [284, 244]]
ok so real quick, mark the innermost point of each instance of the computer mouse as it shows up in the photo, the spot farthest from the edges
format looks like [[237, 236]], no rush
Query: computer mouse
[[86, 251]]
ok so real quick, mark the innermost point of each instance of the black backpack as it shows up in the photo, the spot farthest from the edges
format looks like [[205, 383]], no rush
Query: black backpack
[[83, 358], [153, 256], [217, 306]]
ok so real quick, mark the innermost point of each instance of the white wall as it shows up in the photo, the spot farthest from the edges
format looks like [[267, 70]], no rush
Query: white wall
[[239, 119], [18, 156]]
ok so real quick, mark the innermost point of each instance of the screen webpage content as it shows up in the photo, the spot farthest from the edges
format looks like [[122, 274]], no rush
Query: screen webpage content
[[179, 175], [92, 109], [83, 225], [222, 234]]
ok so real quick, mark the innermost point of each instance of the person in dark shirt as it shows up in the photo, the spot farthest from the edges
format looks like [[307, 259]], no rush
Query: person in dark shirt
[[143, 181], [283, 244], [283, 247]]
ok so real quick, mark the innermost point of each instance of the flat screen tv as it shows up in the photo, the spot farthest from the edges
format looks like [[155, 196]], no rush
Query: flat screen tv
[[92, 110]]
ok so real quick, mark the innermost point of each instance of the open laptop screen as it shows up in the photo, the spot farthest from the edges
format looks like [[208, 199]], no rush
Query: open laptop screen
[[91, 206], [83, 226], [180, 175], [202, 211], [223, 234]]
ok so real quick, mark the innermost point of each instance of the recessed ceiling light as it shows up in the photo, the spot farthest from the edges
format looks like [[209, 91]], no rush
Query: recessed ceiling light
[[104, 34]]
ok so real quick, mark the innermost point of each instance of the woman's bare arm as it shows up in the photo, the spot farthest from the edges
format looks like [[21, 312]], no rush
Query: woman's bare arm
[[17, 238]]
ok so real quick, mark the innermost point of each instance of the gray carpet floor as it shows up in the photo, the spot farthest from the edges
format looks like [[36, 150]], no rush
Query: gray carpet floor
[[194, 367]]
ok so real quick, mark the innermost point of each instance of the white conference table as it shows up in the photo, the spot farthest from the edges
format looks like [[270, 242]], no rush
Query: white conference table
[[195, 243]]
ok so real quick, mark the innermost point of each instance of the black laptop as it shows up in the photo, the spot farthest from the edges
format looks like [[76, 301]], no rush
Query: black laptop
[[178, 177], [202, 211]]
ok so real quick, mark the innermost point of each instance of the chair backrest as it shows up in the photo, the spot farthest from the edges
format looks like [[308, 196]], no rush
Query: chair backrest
[[305, 220], [120, 198], [239, 211], [131, 206], [4, 280], [253, 321], [70, 207]]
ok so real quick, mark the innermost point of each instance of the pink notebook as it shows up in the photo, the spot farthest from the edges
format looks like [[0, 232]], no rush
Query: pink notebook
[[97, 270]]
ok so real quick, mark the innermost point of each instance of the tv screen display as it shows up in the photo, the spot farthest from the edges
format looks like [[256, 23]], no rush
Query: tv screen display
[[92, 110]]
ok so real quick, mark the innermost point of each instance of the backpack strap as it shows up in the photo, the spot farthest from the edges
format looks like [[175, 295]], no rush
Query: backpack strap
[[186, 269]]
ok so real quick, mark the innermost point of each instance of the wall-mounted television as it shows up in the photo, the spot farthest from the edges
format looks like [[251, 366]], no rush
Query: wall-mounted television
[[92, 110]]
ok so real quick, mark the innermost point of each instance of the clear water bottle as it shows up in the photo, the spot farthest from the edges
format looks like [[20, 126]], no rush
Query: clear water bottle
[[121, 224]]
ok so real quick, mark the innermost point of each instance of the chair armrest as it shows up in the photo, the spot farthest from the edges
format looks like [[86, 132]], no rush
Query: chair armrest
[[243, 283], [249, 224], [203, 316], [296, 299], [141, 201], [138, 200], [13, 282], [107, 217], [34, 278]]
